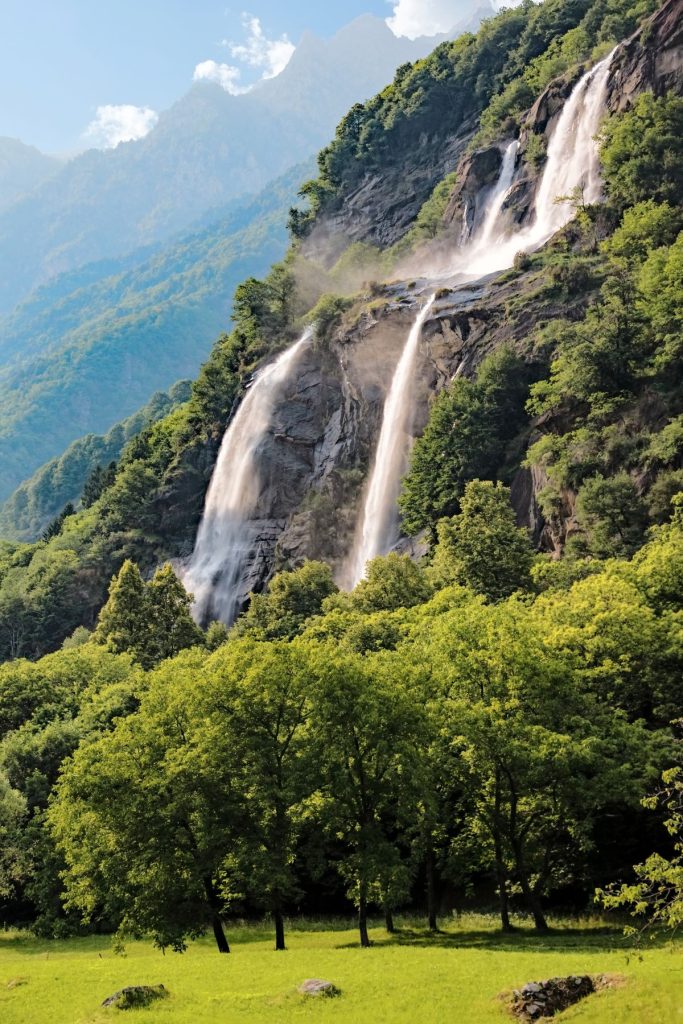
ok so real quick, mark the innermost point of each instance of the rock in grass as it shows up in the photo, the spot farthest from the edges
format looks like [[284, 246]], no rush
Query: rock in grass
[[539, 999], [318, 987], [136, 996]]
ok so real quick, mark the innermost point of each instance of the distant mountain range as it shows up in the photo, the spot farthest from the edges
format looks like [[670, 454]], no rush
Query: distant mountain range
[[22, 169], [206, 149], [80, 355]]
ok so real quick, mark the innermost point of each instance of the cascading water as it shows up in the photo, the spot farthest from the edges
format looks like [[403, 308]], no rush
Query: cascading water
[[378, 530], [225, 539], [572, 161]]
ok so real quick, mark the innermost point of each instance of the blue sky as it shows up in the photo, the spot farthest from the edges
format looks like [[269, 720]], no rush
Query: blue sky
[[112, 65]]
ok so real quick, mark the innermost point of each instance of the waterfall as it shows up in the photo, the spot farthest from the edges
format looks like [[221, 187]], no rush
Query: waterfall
[[225, 539], [483, 236], [572, 161], [378, 530]]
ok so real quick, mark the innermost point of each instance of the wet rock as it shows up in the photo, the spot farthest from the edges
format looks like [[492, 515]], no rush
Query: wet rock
[[651, 59], [318, 987], [136, 996]]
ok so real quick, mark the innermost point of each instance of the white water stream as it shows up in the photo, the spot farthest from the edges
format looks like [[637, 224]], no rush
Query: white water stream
[[572, 161], [214, 573]]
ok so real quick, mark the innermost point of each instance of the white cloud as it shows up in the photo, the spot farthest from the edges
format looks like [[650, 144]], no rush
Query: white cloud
[[413, 18], [272, 55], [222, 74], [122, 123]]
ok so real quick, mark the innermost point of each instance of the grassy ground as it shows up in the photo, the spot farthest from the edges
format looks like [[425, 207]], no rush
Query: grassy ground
[[411, 977]]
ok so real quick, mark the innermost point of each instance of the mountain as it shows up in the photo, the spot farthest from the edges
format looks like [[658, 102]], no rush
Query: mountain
[[89, 348], [22, 169], [559, 375], [205, 150], [38, 501]]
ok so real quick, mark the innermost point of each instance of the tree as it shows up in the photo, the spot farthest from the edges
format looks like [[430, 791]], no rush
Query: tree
[[99, 479], [12, 854], [611, 512], [259, 698], [642, 152], [291, 599], [369, 728], [171, 625], [391, 582], [145, 821], [658, 892], [539, 756], [469, 426], [482, 547], [123, 623], [151, 621]]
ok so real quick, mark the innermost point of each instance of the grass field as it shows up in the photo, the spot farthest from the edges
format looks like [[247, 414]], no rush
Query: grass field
[[411, 977]]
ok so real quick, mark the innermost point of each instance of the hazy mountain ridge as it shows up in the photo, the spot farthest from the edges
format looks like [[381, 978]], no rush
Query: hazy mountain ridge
[[206, 149], [80, 363], [22, 169]]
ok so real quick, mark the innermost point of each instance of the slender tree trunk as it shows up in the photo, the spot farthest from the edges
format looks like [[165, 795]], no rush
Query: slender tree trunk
[[503, 900], [216, 923], [389, 920], [219, 934], [279, 927], [431, 891], [530, 898], [363, 915]]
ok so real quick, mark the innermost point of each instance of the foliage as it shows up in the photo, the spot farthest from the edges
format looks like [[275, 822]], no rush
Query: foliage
[[469, 426], [658, 893], [151, 621], [482, 547], [291, 599]]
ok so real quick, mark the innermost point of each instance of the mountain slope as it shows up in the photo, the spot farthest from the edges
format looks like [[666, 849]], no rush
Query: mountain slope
[[22, 169], [558, 320], [78, 362], [38, 501]]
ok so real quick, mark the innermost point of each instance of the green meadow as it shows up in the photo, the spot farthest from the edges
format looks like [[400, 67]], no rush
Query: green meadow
[[411, 977]]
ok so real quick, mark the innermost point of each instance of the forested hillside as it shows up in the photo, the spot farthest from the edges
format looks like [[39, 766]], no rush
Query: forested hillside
[[485, 717], [80, 354]]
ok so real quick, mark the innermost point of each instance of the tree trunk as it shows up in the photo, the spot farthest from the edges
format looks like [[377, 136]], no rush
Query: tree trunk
[[279, 927], [501, 878], [532, 901], [389, 920], [216, 923], [363, 916], [431, 892], [219, 934]]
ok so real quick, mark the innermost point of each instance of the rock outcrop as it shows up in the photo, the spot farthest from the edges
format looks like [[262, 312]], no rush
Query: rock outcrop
[[652, 59]]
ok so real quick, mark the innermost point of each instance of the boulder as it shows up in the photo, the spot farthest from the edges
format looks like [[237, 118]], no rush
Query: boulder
[[318, 987], [136, 996], [539, 999]]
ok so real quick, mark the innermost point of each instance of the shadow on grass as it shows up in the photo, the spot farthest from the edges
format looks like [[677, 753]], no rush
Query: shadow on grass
[[559, 939]]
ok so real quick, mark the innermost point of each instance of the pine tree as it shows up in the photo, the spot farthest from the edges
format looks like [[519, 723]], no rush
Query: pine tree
[[172, 628], [124, 621]]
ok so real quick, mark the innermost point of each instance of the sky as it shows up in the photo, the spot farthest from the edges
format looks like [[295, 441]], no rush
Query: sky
[[79, 73]]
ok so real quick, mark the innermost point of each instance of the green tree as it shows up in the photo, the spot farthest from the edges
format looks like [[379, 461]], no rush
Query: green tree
[[657, 894], [369, 728], [259, 696], [170, 624], [123, 623], [145, 822], [12, 853], [291, 599], [642, 152], [482, 547]]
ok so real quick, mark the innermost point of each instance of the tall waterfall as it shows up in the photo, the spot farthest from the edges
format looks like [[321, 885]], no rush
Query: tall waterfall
[[572, 161], [225, 537], [378, 530]]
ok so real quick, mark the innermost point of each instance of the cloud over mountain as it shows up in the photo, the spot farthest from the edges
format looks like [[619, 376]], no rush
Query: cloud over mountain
[[119, 123]]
